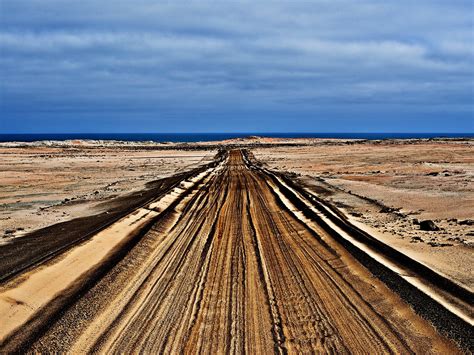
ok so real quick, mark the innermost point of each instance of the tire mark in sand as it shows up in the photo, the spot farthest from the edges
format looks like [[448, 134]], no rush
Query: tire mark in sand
[[235, 272]]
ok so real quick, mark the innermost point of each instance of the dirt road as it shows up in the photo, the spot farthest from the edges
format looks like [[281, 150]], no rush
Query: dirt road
[[231, 270]]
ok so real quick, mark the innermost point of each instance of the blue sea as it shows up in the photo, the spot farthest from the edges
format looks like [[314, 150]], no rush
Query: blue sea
[[202, 137]]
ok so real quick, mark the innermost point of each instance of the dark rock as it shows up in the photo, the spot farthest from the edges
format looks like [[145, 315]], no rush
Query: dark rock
[[9, 231], [436, 244], [356, 214], [386, 209], [433, 173], [415, 221], [96, 192], [428, 225], [416, 239], [466, 222]]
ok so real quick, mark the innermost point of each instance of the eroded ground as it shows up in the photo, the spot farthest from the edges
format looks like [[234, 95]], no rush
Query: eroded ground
[[388, 186]]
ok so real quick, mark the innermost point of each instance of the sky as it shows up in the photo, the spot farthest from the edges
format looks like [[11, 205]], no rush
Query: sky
[[236, 66]]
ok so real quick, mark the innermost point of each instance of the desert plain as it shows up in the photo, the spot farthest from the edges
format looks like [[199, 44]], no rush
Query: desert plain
[[391, 186], [216, 246]]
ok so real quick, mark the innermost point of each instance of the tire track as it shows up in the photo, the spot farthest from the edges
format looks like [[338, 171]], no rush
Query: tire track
[[170, 273], [232, 271]]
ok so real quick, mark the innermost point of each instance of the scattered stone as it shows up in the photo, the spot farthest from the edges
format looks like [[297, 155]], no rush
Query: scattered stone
[[356, 214], [436, 244], [428, 225], [416, 239], [455, 220], [9, 231], [386, 209]]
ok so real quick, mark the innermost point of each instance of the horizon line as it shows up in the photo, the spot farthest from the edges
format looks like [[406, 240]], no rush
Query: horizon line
[[248, 132]]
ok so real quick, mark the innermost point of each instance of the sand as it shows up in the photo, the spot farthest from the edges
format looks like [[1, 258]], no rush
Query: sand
[[416, 180], [228, 269], [42, 184]]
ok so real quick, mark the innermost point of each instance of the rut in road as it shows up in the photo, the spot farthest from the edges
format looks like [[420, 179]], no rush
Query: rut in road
[[234, 271]]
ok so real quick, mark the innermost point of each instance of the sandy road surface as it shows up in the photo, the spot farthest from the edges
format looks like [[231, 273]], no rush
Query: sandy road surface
[[231, 270]]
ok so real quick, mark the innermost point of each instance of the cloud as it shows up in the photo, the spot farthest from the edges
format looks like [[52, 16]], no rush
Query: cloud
[[145, 56]]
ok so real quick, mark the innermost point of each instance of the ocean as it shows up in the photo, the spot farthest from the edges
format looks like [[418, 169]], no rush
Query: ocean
[[201, 137]]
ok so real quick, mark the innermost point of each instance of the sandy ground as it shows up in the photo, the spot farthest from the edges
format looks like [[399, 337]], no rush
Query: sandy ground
[[413, 180], [41, 185], [49, 182], [227, 270], [36, 288]]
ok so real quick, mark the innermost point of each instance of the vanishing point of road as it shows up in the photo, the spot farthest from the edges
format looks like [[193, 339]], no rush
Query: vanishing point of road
[[232, 269]]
